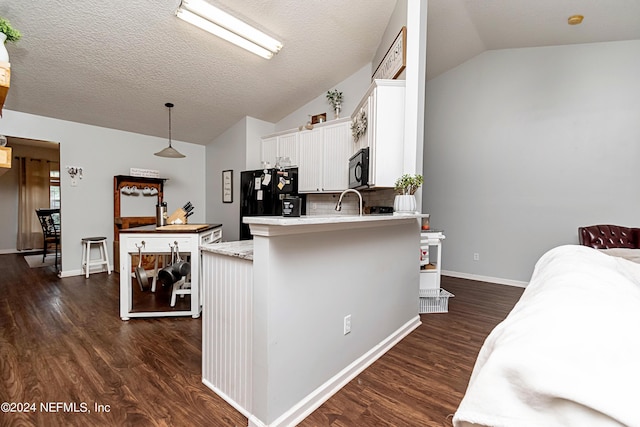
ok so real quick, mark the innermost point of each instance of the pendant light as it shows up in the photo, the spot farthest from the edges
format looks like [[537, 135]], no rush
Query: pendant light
[[170, 151]]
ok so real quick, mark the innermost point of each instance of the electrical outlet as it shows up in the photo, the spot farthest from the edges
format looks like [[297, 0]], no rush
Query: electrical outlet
[[476, 256], [347, 324]]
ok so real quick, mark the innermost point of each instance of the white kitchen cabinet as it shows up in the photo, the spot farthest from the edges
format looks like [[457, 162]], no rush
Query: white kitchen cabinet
[[335, 154], [269, 150], [383, 104], [288, 147], [324, 158], [364, 140], [310, 160], [284, 145]]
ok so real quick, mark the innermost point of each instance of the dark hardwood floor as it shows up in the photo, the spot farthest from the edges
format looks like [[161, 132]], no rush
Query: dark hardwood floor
[[62, 343]]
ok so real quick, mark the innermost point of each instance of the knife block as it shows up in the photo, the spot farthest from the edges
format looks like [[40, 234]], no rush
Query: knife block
[[179, 214]]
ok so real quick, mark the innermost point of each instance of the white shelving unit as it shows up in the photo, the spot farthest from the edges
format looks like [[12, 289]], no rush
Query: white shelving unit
[[430, 258], [432, 298]]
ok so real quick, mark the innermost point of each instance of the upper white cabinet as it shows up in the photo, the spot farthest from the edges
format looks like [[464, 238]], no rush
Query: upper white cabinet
[[335, 155], [311, 161], [324, 158], [383, 104], [288, 147], [364, 108], [269, 150], [284, 145], [321, 154]]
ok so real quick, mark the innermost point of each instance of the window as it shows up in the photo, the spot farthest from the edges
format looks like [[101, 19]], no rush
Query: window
[[54, 185]]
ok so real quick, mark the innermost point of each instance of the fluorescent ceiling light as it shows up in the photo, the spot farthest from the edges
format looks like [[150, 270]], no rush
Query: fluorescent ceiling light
[[228, 27]]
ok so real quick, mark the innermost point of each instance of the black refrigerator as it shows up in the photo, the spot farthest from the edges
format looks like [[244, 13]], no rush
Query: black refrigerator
[[262, 191]]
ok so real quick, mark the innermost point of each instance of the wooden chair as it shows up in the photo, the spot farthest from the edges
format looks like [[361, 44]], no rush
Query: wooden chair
[[50, 222]]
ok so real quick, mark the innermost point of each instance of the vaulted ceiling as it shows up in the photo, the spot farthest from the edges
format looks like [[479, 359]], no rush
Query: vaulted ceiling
[[115, 64]]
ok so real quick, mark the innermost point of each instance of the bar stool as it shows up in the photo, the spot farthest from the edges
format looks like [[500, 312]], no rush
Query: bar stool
[[87, 262]]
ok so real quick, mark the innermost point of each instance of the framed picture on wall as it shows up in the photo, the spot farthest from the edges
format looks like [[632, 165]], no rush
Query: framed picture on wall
[[395, 60], [319, 118], [227, 186]]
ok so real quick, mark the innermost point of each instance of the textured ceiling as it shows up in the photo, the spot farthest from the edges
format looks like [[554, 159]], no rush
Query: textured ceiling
[[458, 30], [114, 64]]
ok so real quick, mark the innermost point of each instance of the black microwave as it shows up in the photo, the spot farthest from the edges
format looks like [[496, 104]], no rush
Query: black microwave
[[359, 169]]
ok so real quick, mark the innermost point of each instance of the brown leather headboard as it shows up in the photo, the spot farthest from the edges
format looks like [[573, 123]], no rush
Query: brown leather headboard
[[609, 236]]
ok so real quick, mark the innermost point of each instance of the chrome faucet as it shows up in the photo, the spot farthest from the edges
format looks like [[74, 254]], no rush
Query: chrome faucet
[[348, 190]]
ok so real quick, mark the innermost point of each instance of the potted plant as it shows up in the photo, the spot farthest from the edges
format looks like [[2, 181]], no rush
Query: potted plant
[[335, 99], [7, 33], [406, 187]]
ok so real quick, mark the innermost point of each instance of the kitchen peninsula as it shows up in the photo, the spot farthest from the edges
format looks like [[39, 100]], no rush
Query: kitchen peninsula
[[298, 312]]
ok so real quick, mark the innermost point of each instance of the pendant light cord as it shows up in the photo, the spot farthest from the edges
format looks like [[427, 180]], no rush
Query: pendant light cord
[[169, 105], [169, 151]]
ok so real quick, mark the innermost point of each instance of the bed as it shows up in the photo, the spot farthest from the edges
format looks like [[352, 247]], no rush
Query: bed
[[568, 354]]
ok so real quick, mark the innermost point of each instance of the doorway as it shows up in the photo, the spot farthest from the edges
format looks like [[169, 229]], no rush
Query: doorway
[[32, 182]]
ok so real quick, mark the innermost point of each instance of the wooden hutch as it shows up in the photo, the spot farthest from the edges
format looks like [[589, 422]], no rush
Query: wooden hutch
[[123, 222]]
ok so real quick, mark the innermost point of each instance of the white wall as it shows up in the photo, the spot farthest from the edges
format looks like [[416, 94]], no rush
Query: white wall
[[355, 86], [238, 149], [298, 311], [523, 146], [396, 22], [352, 88], [255, 130], [87, 209]]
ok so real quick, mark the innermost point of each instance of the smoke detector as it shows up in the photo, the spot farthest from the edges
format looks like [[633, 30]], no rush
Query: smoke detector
[[575, 19]]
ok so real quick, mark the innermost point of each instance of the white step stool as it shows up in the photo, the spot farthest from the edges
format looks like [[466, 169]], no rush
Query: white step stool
[[182, 288], [87, 262]]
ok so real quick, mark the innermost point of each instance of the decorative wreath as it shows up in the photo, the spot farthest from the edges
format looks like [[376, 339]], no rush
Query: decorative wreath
[[359, 125]]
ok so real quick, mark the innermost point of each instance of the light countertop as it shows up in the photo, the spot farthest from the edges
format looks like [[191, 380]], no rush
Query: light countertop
[[241, 249], [268, 226], [172, 229], [328, 219]]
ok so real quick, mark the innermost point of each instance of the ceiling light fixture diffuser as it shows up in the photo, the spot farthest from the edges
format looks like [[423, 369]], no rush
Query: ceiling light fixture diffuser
[[221, 24], [170, 151]]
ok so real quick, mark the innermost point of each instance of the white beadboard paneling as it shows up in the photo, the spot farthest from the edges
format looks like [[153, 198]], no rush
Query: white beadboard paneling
[[269, 149], [227, 328], [336, 152], [310, 160], [288, 147]]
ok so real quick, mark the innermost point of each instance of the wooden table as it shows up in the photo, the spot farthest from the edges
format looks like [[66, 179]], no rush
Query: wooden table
[[159, 240]]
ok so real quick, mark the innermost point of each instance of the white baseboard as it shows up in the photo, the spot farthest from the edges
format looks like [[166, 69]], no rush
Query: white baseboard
[[229, 400], [15, 251], [61, 274], [496, 280], [71, 273], [315, 399]]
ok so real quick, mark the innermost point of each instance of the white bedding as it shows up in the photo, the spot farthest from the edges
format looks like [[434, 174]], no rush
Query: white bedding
[[626, 253], [569, 352]]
